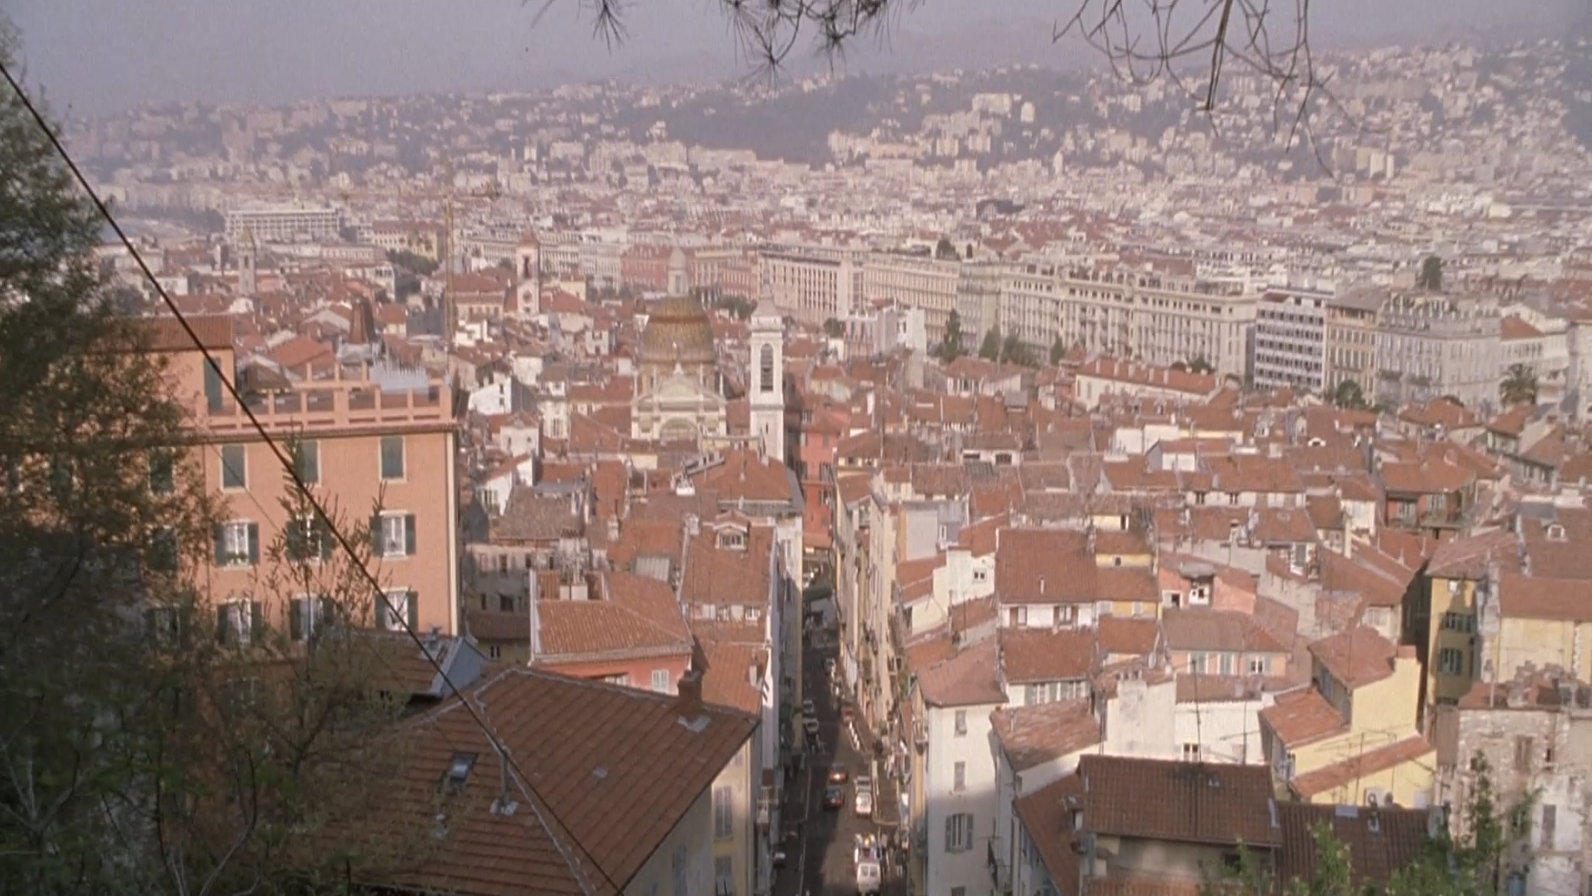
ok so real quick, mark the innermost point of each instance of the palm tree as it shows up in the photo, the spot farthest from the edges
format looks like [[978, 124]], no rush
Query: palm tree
[[1519, 385]]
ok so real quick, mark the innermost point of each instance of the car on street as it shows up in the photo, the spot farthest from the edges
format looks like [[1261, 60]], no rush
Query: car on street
[[838, 774], [810, 725], [808, 710], [864, 783], [848, 713], [863, 804], [834, 798]]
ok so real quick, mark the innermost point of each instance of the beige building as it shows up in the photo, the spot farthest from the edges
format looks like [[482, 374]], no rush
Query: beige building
[[1150, 317], [915, 281], [814, 283], [1351, 338]]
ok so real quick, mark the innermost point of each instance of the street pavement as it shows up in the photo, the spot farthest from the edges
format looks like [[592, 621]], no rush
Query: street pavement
[[820, 863]]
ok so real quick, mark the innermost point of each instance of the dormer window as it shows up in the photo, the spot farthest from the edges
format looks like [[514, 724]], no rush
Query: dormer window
[[732, 539], [1556, 532]]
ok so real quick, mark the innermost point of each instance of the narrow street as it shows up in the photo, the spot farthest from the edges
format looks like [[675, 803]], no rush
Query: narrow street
[[821, 863]]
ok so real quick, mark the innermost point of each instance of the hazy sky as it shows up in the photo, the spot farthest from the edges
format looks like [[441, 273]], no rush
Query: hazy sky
[[101, 55]]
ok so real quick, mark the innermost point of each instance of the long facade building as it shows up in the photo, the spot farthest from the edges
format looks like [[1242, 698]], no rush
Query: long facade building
[[283, 223], [814, 283], [1434, 345], [915, 281]]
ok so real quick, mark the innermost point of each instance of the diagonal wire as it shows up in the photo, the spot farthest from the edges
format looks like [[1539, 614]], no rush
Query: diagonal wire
[[291, 469]]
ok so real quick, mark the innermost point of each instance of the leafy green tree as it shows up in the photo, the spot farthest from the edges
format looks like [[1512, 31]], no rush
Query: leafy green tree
[[990, 348], [950, 347], [1431, 275], [834, 329], [1199, 365], [151, 740], [1349, 396], [945, 250], [1519, 385], [1058, 350], [418, 265]]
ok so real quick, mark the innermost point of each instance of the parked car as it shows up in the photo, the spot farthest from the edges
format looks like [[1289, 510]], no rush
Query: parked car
[[834, 798], [864, 803], [810, 725], [864, 783], [838, 774], [848, 713]]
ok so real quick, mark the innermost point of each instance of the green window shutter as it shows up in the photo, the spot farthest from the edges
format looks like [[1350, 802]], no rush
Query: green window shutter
[[376, 547], [223, 631], [409, 534], [256, 622], [213, 390], [254, 544], [413, 609], [323, 536], [221, 545], [295, 619], [381, 610]]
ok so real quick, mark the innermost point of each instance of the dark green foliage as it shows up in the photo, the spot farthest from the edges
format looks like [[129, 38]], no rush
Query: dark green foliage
[[951, 347], [990, 348], [1431, 275]]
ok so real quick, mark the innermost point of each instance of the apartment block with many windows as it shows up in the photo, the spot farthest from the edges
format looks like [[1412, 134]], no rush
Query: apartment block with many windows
[[376, 443]]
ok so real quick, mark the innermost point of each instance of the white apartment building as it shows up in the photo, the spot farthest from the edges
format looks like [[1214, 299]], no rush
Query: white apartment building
[[1291, 341], [978, 299], [1430, 345], [1154, 318], [1539, 341], [915, 281], [283, 223], [959, 786], [814, 283]]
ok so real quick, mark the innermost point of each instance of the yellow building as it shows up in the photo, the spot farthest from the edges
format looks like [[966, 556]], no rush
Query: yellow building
[[1352, 736], [1441, 619], [1541, 621]]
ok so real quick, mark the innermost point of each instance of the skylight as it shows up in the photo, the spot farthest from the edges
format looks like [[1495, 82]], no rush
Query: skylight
[[459, 771]]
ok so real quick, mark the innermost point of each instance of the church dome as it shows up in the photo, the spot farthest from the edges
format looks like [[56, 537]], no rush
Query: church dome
[[678, 332]]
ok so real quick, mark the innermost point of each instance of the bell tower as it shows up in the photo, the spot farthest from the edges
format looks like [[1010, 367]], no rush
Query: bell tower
[[767, 381], [247, 281], [528, 277]]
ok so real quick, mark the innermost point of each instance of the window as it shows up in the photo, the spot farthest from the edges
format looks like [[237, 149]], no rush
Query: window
[[660, 680], [214, 393], [723, 876], [959, 777], [1226, 663], [494, 651], [980, 575], [396, 610], [679, 863], [307, 461], [961, 722], [622, 679], [1016, 617], [238, 544], [307, 615], [506, 603], [237, 623], [1550, 822], [959, 832], [234, 467], [1196, 663], [723, 813], [162, 471], [392, 458], [393, 535], [1450, 661], [1191, 752], [1260, 665], [1464, 623], [308, 538], [1524, 754], [163, 550], [766, 369]]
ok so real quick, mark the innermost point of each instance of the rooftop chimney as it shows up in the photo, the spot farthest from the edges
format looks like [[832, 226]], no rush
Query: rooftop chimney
[[689, 700]]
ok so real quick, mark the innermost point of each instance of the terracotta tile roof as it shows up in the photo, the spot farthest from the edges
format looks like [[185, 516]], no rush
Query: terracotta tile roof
[[717, 574], [1126, 583], [1424, 477], [1303, 717], [1228, 631], [636, 617], [532, 517], [616, 775], [1122, 636], [1032, 735], [966, 678], [1047, 819], [498, 627], [1044, 566], [647, 538], [165, 334], [1329, 778], [1040, 655], [1181, 802], [1357, 657], [1397, 840], [727, 678], [1541, 597]]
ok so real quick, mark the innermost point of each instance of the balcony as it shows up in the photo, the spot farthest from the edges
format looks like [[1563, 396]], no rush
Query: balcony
[[333, 405], [999, 873]]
